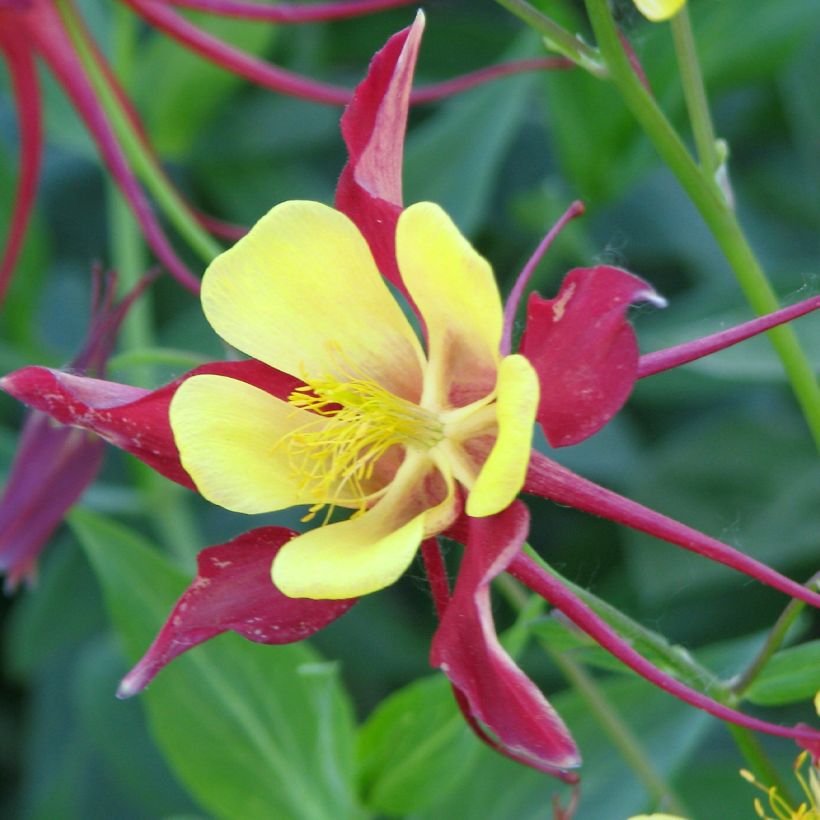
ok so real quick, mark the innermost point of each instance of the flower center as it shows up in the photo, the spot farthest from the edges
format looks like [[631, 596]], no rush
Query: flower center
[[334, 458]]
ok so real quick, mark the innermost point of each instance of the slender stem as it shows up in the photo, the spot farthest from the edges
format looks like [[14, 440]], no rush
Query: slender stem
[[755, 756], [170, 514], [707, 196], [557, 38], [773, 642], [140, 158], [695, 92], [677, 661], [610, 721]]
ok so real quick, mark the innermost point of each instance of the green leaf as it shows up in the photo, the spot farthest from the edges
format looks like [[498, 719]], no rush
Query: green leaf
[[252, 731], [790, 676], [414, 749]]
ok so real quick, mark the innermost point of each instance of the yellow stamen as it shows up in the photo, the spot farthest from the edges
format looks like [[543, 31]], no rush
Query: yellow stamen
[[781, 808], [334, 458]]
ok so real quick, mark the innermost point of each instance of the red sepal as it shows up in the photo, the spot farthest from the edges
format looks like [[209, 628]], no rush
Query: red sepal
[[373, 126], [467, 650], [131, 418], [584, 350], [233, 591]]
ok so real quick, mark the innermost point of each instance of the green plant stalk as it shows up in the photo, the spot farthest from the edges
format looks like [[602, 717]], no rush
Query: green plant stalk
[[773, 642], [138, 155], [607, 716], [170, 515], [682, 665], [695, 92], [556, 37], [705, 193], [757, 759]]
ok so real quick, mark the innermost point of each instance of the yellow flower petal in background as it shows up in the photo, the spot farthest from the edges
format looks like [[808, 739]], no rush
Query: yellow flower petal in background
[[502, 475], [657, 10], [227, 434], [360, 555], [455, 291], [301, 286]]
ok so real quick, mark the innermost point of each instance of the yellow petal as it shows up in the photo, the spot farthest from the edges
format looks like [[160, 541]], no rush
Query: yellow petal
[[457, 296], [362, 554], [302, 286], [227, 433], [657, 10], [503, 473]]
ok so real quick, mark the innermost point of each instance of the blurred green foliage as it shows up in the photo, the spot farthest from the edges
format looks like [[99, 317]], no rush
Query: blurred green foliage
[[235, 729]]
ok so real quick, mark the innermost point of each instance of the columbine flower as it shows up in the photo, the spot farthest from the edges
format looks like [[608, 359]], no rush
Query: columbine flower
[[343, 407], [47, 29], [657, 10], [54, 463]]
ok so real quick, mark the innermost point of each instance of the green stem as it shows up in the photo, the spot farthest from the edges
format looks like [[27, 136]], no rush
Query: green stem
[[170, 514], [556, 37], [610, 721], [773, 642], [695, 92], [679, 664], [135, 149], [705, 193], [675, 660], [755, 756]]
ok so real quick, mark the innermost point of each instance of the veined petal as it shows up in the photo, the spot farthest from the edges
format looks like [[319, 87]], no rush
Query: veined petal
[[657, 10], [229, 435], [505, 469], [455, 291], [233, 591], [302, 293], [365, 553]]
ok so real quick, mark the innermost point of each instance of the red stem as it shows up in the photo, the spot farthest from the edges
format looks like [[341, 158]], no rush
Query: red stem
[[542, 583], [661, 360], [54, 44], [287, 13], [23, 73], [436, 571], [550, 480]]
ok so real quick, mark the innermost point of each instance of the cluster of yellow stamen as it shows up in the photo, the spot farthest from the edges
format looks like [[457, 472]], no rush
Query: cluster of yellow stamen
[[334, 458], [809, 784]]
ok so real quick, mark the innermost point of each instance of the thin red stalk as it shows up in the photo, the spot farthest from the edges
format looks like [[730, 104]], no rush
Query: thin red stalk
[[295, 85], [23, 73], [517, 292], [232, 59], [217, 227], [542, 583], [58, 51], [550, 480], [661, 360], [449, 88], [287, 13], [436, 571]]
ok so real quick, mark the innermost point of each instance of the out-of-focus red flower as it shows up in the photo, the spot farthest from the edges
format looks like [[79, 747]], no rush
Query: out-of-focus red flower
[[55, 463]]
